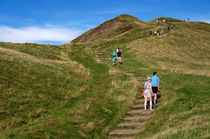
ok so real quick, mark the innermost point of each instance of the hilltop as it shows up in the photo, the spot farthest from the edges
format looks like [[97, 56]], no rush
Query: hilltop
[[111, 28], [64, 91]]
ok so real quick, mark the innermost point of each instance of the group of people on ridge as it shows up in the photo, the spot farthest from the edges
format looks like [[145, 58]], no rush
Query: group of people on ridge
[[161, 32], [151, 87], [117, 55]]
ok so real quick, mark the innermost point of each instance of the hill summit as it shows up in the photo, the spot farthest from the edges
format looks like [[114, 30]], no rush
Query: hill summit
[[110, 28]]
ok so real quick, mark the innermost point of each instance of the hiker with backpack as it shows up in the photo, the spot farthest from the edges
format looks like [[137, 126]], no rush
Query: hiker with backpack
[[148, 93], [155, 86]]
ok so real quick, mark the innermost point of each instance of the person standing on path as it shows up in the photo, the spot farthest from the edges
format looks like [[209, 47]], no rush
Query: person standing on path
[[155, 85], [114, 57], [148, 93], [150, 33], [119, 56], [169, 28]]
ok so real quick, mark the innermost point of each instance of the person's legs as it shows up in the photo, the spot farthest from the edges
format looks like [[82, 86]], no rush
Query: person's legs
[[155, 98], [145, 102], [113, 62], [120, 60], [154, 90], [150, 101]]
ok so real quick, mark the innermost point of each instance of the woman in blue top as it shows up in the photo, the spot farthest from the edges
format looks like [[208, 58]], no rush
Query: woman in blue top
[[148, 93]]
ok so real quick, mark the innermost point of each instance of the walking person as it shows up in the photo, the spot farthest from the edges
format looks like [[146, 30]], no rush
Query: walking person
[[150, 33], [148, 93], [114, 57], [169, 27], [119, 56], [155, 33], [155, 85]]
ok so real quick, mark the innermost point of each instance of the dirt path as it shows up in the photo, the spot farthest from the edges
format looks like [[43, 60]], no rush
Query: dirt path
[[136, 118]]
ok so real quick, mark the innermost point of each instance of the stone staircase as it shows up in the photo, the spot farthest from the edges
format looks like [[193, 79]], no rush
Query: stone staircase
[[136, 118]]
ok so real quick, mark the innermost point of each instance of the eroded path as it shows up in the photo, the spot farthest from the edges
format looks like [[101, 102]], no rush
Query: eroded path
[[136, 118]]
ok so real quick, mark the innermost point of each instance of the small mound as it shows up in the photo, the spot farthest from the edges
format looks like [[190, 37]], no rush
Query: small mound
[[110, 28]]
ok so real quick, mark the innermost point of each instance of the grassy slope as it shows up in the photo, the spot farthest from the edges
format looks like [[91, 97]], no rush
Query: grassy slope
[[75, 104], [111, 28], [181, 58], [59, 92], [184, 50]]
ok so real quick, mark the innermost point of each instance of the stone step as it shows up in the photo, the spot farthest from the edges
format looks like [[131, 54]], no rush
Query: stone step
[[140, 101], [105, 58], [139, 111], [137, 118], [131, 124], [128, 137], [140, 97], [124, 132], [139, 106]]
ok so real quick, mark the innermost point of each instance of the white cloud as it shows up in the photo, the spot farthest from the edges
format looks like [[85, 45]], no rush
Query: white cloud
[[36, 34], [207, 21]]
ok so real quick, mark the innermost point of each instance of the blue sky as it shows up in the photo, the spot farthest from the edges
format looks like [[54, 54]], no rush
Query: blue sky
[[59, 21]]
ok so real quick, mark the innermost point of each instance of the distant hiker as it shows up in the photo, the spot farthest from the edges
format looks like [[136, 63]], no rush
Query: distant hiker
[[158, 33], [155, 85], [150, 33], [155, 33], [119, 56], [188, 19], [114, 57], [169, 27], [184, 19], [148, 93], [157, 21], [164, 20]]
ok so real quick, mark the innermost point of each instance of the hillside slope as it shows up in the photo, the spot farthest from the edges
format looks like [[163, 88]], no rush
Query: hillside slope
[[186, 49], [111, 28], [64, 92], [181, 58], [58, 92]]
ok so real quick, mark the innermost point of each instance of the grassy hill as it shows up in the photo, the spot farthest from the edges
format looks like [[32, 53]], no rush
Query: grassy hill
[[59, 91], [111, 28], [63, 91]]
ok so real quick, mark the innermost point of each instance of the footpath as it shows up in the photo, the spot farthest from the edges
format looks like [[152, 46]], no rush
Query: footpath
[[136, 118]]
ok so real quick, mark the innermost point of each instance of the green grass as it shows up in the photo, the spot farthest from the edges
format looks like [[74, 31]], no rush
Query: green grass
[[184, 109], [59, 92], [63, 91]]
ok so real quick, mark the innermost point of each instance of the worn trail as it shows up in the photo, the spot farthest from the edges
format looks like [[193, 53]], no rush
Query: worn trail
[[136, 118]]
